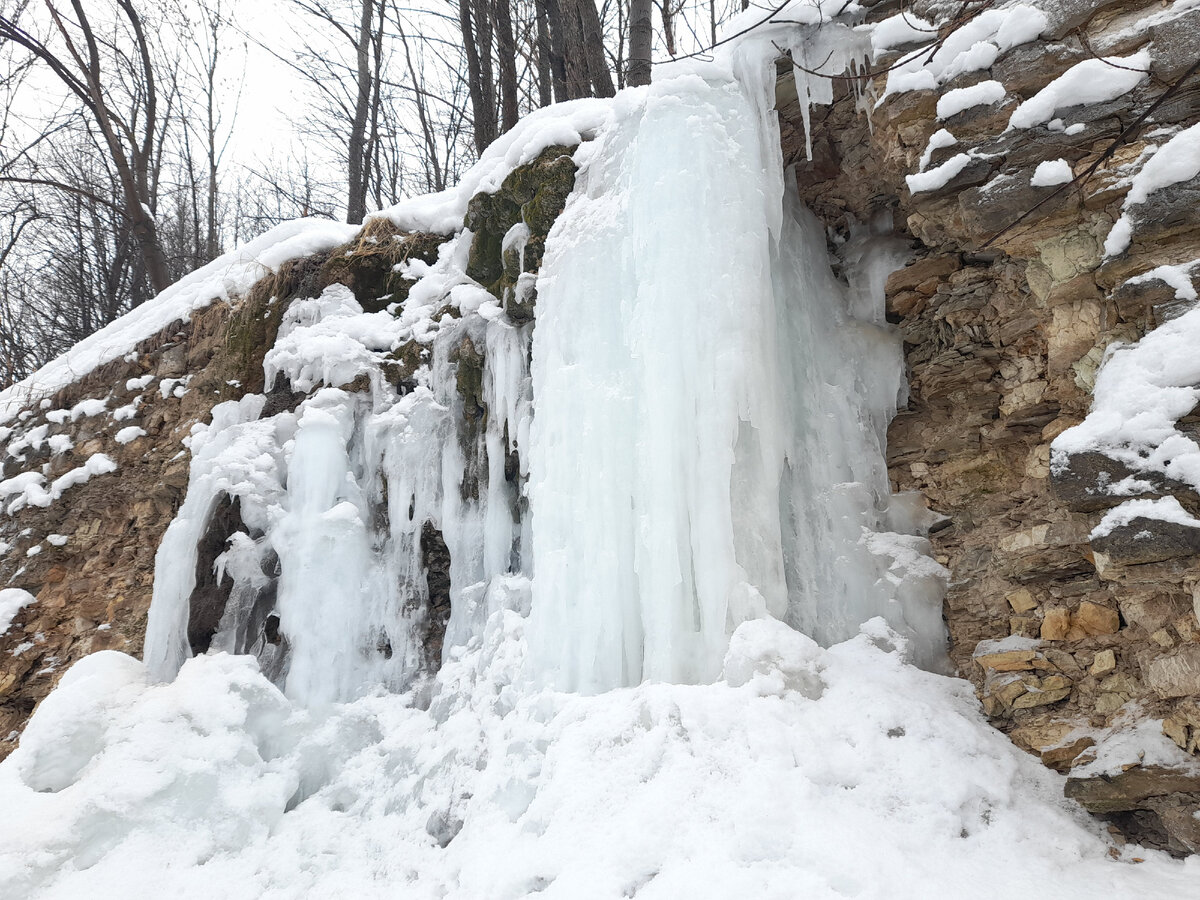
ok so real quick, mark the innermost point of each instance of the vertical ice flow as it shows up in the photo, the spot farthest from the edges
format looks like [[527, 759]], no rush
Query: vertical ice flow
[[711, 408]]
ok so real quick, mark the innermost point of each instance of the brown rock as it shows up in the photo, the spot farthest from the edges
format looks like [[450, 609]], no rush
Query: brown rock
[[1129, 790], [1008, 693], [1050, 689], [1104, 662], [920, 273], [1056, 624], [1008, 660], [1062, 758], [1176, 674], [1021, 600], [1095, 618]]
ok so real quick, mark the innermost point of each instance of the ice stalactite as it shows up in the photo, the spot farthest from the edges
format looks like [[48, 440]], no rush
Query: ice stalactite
[[349, 495], [711, 410]]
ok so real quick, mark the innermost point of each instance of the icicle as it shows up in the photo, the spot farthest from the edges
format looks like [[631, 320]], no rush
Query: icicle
[[236, 456]]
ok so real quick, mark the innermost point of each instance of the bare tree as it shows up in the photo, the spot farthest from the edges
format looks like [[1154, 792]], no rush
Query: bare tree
[[641, 41], [126, 117], [506, 51], [366, 110], [206, 47]]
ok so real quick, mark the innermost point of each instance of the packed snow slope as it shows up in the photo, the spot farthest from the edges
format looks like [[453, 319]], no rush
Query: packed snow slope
[[693, 642]]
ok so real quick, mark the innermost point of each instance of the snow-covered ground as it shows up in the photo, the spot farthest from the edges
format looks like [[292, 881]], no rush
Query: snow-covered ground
[[630, 703], [802, 773]]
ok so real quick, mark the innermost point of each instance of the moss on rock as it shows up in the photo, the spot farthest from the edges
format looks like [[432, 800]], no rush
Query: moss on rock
[[533, 194], [368, 264]]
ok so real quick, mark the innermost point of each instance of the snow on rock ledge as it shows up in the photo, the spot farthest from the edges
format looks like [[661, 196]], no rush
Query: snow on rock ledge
[[223, 278]]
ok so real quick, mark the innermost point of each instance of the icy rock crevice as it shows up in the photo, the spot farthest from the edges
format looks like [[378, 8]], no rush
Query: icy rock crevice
[[346, 497]]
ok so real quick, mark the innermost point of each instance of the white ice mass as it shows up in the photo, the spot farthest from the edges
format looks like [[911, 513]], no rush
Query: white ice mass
[[693, 644]]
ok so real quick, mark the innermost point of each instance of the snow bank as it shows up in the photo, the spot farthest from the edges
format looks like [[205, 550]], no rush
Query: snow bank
[[939, 139], [222, 279], [1164, 509], [900, 30], [29, 488], [1178, 160], [1178, 278], [128, 434], [769, 784], [939, 176], [96, 464], [955, 101], [564, 123], [974, 46]]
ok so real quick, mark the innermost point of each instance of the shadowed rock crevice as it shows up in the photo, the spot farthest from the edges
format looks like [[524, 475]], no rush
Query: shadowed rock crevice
[[435, 557], [209, 597]]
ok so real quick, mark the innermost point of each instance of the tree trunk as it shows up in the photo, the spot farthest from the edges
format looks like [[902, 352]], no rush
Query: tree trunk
[[668, 25], [506, 49], [593, 47], [356, 201], [474, 85], [545, 86], [487, 80], [574, 56], [558, 49], [476, 29], [641, 37]]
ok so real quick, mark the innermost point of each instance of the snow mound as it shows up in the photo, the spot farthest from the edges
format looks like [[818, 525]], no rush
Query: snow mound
[[215, 785], [1141, 391], [1051, 172], [1178, 160], [955, 101], [12, 601], [973, 46], [1090, 81], [1164, 509]]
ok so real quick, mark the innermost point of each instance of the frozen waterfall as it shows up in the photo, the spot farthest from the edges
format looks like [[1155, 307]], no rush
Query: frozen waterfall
[[689, 436], [615, 602], [711, 409]]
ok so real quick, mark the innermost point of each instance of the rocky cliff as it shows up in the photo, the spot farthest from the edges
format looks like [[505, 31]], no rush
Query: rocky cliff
[[1073, 639], [1007, 308]]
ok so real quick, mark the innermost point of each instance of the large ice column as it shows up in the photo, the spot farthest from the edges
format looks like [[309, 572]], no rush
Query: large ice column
[[325, 585], [711, 408], [845, 554], [647, 365]]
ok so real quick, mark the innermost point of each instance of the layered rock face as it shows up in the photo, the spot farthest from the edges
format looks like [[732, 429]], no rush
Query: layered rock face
[[89, 558], [1007, 308]]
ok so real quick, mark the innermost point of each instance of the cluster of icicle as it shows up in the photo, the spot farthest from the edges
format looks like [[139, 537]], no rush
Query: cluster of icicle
[[691, 434]]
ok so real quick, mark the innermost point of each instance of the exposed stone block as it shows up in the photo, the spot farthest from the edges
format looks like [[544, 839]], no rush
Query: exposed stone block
[[1176, 674], [1148, 540], [1095, 618], [1130, 789]]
